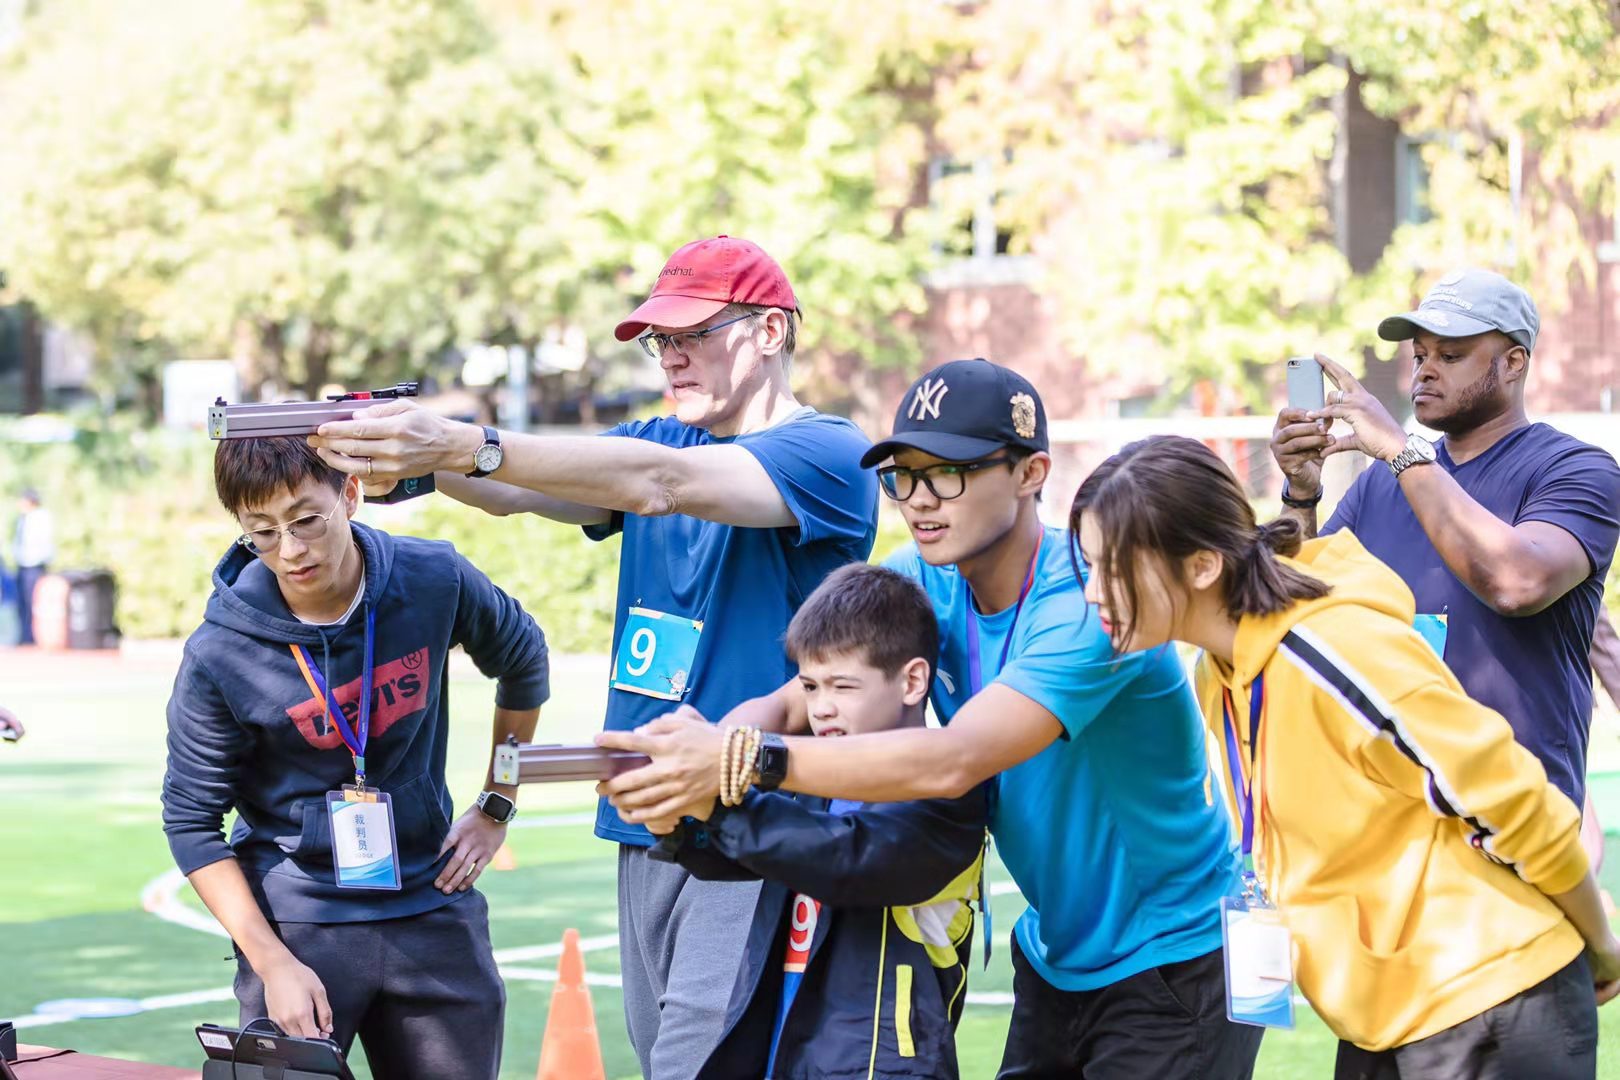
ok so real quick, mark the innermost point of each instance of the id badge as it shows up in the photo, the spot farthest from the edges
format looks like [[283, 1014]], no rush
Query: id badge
[[655, 654], [364, 845], [1259, 955], [1433, 628]]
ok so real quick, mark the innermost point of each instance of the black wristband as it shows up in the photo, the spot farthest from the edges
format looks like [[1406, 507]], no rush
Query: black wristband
[[1300, 504], [409, 488]]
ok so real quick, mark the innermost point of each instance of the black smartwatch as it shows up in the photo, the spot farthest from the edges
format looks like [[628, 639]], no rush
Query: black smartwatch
[[1300, 504], [771, 762], [488, 456], [497, 807]]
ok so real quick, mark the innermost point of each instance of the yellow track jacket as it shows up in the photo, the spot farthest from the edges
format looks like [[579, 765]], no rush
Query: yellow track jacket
[[1408, 840]]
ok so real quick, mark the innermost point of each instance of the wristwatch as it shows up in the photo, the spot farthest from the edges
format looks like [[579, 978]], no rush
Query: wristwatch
[[771, 762], [488, 457], [497, 807], [1419, 451]]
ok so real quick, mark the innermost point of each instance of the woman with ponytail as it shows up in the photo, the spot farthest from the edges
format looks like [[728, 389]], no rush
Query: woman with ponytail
[[1439, 911]]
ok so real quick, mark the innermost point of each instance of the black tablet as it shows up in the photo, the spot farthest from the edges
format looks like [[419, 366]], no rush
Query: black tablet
[[320, 1057]]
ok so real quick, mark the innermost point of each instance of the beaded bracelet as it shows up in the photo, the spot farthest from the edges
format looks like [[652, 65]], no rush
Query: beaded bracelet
[[739, 763]]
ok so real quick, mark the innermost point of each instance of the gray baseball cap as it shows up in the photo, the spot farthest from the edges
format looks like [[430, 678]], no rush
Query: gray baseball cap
[[1469, 302]]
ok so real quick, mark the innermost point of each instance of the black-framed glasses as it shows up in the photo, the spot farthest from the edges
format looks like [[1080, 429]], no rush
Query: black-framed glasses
[[946, 481], [655, 345], [306, 528]]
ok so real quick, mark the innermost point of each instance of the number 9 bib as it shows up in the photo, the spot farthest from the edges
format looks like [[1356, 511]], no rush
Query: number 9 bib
[[655, 654]]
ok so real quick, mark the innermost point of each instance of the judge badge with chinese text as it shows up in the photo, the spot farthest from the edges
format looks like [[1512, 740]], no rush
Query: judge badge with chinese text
[[364, 846]]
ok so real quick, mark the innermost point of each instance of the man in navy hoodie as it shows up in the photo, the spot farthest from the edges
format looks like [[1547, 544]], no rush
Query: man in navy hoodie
[[312, 701]]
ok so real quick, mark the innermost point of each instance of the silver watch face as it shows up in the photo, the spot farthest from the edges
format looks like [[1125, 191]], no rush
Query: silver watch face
[[1420, 448], [489, 457]]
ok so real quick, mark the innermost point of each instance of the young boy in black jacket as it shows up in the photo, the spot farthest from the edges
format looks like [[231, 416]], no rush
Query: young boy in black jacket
[[856, 961], [312, 701]]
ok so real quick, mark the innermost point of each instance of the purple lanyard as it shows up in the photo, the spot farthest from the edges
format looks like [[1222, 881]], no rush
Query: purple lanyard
[[975, 673], [354, 738], [1243, 793]]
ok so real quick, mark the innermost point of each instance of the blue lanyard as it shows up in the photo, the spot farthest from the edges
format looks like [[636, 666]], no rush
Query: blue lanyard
[[976, 683], [1243, 792], [354, 738], [975, 674]]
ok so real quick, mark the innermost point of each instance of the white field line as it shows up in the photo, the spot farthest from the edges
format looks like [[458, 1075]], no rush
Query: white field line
[[161, 897], [505, 957]]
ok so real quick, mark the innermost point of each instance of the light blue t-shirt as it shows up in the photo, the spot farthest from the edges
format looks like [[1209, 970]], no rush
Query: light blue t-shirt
[[1111, 832], [743, 585]]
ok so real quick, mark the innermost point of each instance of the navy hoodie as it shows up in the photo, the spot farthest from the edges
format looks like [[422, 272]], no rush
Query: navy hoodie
[[247, 733]]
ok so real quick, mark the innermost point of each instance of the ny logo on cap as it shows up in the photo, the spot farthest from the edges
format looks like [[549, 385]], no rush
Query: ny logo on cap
[[925, 402]]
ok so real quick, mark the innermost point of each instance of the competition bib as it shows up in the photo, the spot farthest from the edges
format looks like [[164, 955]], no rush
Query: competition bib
[[1433, 629], [655, 654]]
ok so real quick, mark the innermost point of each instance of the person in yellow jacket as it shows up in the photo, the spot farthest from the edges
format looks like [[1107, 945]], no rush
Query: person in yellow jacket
[[1443, 917]]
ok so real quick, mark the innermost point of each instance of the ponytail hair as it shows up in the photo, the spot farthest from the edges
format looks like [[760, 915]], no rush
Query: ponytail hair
[[1171, 496]]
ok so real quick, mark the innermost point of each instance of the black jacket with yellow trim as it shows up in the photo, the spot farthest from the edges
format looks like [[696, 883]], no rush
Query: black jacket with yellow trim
[[886, 977]]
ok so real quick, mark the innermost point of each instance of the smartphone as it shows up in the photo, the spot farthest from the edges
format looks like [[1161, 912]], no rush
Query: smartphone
[[1306, 384]]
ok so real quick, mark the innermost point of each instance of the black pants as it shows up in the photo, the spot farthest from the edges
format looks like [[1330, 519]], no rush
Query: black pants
[[27, 578], [1165, 1023], [421, 992], [1548, 1032]]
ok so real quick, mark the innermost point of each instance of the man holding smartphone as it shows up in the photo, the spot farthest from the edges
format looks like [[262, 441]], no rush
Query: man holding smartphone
[[1504, 530]]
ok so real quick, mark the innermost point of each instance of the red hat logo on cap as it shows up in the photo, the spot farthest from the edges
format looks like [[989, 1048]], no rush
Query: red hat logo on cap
[[705, 276]]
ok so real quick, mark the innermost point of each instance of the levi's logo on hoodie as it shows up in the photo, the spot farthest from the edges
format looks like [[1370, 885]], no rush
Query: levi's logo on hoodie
[[398, 689]]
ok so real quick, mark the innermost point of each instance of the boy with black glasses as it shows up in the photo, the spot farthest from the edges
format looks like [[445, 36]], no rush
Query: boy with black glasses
[[312, 701]]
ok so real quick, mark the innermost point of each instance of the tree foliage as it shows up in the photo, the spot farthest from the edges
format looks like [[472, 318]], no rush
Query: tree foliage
[[1171, 163], [337, 190]]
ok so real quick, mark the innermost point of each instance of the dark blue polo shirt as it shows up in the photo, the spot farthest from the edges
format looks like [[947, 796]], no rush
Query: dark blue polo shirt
[[1533, 670]]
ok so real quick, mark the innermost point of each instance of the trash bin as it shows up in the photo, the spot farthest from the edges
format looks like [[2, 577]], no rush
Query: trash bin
[[91, 595]]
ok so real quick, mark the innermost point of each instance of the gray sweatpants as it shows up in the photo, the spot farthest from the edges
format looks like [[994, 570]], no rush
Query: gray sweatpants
[[421, 992], [680, 945]]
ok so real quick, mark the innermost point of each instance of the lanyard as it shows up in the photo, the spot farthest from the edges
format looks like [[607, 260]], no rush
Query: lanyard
[[975, 674], [976, 683], [354, 738], [1243, 792]]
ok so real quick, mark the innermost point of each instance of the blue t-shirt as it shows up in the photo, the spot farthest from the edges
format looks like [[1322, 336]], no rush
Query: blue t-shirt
[[1112, 832], [1535, 669], [743, 585]]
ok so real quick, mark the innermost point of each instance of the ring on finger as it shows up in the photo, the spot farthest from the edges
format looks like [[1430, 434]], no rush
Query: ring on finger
[[368, 468]]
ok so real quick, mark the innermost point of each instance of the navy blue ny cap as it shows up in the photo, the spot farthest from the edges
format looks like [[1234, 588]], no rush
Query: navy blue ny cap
[[964, 410]]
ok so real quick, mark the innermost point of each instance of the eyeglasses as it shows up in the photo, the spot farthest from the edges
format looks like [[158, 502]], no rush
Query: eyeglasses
[[308, 527], [655, 345], [945, 481]]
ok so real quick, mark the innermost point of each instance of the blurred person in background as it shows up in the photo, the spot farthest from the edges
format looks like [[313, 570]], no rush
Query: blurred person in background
[[33, 546]]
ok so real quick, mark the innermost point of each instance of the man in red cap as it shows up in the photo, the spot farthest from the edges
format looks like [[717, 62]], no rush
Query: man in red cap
[[733, 510]]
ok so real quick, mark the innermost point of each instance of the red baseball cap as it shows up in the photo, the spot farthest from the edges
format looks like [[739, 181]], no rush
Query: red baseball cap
[[705, 276]]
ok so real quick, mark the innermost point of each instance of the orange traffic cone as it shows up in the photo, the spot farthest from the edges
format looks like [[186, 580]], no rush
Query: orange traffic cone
[[503, 858], [570, 1049]]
